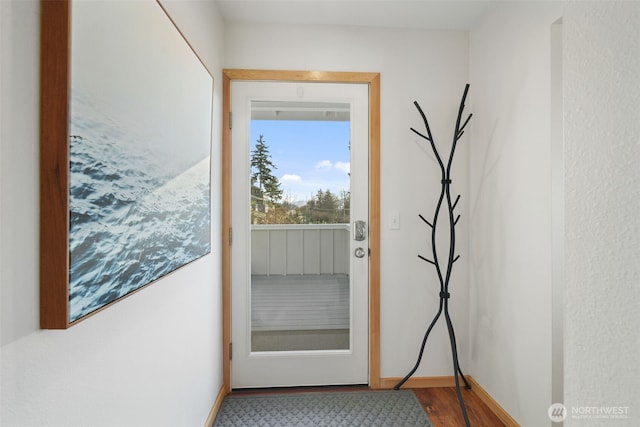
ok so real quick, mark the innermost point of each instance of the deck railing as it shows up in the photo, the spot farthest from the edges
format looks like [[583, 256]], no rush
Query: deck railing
[[287, 249]]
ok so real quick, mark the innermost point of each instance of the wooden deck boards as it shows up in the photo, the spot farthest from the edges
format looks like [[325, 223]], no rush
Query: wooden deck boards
[[300, 302]]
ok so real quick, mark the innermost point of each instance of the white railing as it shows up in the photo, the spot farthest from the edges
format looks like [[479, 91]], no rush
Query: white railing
[[286, 249]]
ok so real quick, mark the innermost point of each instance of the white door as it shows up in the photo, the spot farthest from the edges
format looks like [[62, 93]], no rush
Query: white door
[[299, 285]]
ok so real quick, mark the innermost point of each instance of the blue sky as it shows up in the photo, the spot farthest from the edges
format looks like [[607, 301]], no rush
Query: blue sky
[[309, 155]]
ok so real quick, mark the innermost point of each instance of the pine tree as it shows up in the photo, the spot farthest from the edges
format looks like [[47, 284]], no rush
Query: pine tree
[[265, 186], [323, 208]]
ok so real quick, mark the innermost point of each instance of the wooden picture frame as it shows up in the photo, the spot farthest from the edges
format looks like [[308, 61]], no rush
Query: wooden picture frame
[[125, 132]]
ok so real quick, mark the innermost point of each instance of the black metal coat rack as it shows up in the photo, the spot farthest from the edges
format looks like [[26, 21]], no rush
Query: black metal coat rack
[[445, 196]]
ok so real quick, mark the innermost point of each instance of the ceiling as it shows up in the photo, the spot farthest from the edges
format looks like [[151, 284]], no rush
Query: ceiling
[[415, 14]]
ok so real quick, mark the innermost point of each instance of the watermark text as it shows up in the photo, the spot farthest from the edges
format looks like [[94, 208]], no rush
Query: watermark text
[[558, 412]]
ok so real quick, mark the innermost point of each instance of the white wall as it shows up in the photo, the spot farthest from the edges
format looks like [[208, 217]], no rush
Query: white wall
[[510, 225], [427, 66], [602, 196], [154, 358]]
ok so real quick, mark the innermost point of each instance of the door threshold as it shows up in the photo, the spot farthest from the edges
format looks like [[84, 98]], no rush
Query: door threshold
[[301, 389]]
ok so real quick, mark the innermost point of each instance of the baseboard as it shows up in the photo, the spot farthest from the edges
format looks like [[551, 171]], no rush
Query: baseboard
[[495, 407], [216, 407], [419, 382], [449, 381]]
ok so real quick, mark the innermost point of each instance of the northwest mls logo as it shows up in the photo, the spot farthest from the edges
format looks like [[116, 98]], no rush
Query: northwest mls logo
[[557, 412]]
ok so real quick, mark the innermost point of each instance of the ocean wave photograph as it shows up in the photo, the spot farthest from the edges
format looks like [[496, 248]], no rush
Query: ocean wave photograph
[[132, 221], [139, 153]]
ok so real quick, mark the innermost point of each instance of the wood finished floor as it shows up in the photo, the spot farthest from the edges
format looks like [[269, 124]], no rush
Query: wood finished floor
[[440, 403]]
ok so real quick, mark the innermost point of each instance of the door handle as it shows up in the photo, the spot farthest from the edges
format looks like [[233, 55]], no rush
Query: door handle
[[359, 231], [359, 253]]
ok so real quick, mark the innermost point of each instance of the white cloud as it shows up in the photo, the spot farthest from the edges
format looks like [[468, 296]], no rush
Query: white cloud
[[289, 177], [323, 164], [343, 166]]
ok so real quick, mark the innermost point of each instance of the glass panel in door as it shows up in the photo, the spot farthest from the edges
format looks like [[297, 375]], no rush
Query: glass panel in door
[[300, 235]]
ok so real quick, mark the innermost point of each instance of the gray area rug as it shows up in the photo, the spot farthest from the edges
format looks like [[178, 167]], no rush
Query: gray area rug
[[351, 408]]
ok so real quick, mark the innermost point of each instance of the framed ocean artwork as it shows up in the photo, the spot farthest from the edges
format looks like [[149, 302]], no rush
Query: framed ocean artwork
[[126, 124]]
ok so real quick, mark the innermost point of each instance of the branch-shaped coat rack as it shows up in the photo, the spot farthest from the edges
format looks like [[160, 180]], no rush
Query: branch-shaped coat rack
[[445, 198]]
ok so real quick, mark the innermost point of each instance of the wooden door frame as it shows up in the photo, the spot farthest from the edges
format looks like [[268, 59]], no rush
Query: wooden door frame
[[373, 80]]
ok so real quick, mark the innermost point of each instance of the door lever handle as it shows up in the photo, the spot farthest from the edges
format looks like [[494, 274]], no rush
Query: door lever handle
[[359, 231]]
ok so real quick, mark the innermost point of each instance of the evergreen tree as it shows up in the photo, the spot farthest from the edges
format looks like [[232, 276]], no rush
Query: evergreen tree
[[345, 206], [264, 185], [327, 208]]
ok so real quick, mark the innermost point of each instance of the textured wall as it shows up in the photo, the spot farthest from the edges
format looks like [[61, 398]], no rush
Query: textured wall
[[602, 179]]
